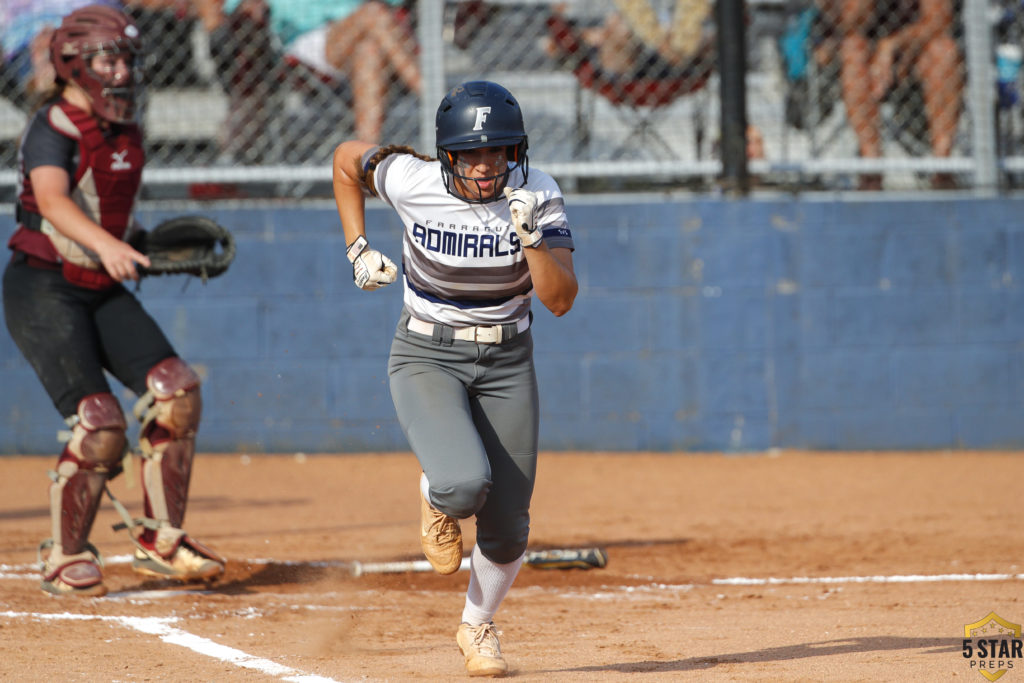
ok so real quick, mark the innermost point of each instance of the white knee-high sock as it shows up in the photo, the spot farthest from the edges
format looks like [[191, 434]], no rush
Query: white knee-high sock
[[489, 583], [425, 486]]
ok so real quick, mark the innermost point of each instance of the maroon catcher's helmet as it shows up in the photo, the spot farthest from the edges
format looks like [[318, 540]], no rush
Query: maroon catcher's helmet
[[91, 31]]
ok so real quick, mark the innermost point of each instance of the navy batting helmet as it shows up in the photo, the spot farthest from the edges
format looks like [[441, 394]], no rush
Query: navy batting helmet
[[480, 114]]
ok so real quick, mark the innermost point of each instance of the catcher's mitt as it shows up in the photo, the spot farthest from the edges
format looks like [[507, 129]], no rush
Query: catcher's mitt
[[186, 245]]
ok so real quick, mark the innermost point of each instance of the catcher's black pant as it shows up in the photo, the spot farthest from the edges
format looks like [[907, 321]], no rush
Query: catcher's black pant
[[70, 334]]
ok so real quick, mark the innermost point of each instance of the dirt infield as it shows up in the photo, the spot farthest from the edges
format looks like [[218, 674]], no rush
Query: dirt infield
[[782, 567]]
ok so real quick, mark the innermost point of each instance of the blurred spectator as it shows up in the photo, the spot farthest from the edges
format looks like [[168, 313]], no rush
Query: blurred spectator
[[167, 27], [655, 39], [362, 42], [755, 142], [1009, 37], [640, 55], [659, 40], [26, 29], [470, 17], [755, 146], [881, 46], [807, 47]]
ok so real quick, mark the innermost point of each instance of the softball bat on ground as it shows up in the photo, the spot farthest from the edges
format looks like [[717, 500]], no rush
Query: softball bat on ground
[[557, 558]]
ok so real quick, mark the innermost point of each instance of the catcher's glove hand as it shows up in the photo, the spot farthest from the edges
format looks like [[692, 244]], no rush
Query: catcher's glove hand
[[186, 245]]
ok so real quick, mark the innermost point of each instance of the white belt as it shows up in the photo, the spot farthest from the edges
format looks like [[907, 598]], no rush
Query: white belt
[[482, 334]]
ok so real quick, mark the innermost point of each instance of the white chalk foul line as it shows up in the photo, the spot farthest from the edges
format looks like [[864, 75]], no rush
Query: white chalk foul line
[[908, 578], [31, 571], [162, 628]]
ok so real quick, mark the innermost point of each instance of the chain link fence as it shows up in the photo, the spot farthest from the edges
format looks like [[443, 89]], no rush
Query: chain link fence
[[617, 94]]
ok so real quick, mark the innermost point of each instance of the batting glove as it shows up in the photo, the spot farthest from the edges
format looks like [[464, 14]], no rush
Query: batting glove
[[522, 204], [370, 268]]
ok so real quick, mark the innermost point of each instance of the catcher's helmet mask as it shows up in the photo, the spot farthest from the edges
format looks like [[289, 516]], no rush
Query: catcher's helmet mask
[[99, 30], [475, 115]]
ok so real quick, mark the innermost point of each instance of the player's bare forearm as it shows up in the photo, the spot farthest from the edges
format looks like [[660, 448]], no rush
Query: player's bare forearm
[[348, 191], [56, 206], [117, 256], [52, 188], [554, 281], [69, 219]]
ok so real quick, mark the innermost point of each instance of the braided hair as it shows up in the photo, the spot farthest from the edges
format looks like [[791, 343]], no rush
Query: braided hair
[[365, 175]]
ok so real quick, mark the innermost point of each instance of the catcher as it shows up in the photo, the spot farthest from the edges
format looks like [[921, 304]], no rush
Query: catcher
[[71, 316]]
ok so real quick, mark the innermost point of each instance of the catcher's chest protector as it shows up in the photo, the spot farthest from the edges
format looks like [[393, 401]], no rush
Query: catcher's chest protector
[[109, 170], [104, 186]]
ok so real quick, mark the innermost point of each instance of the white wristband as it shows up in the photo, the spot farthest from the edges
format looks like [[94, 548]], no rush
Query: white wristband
[[356, 248]]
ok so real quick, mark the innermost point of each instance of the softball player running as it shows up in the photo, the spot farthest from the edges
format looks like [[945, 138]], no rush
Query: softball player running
[[483, 236], [81, 161]]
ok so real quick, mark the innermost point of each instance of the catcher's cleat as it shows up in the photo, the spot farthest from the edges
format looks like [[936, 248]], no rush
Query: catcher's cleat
[[440, 538], [480, 646], [189, 561], [77, 574]]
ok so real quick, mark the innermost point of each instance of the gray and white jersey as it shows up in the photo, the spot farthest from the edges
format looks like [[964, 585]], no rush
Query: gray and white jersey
[[463, 263]]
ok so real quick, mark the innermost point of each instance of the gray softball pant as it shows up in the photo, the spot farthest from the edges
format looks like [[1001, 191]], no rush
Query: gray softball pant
[[470, 413]]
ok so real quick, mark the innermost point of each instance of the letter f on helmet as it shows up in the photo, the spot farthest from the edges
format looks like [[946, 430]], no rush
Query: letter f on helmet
[[481, 116]]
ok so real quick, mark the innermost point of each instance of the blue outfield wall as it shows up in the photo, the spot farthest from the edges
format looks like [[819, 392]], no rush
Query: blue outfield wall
[[701, 324]]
